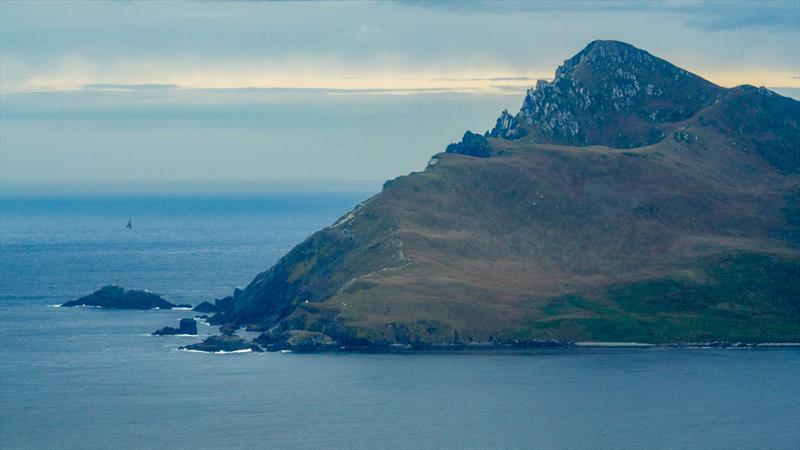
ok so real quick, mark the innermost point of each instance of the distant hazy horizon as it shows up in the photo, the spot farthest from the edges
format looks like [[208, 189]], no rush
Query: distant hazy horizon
[[27, 189]]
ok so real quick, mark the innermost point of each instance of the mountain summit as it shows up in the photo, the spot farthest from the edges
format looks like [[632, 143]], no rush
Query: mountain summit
[[627, 200], [610, 93]]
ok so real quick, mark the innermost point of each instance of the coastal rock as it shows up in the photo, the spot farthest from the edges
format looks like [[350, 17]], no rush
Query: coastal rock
[[471, 145], [297, 340], [115, 297], [187, 326], [219, 305], [227, 344]]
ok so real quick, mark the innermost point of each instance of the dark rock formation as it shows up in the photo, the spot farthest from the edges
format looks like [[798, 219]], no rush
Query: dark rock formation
[[187, 326], [219, 305], [297, 340], [471, 145], [216, 344], [115, 297]]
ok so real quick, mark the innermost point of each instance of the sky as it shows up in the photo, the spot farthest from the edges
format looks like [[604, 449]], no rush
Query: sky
[[262, 93]]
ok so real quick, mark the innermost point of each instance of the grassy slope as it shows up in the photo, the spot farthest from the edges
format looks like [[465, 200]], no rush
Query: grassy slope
[[678, 241], [696, 237]]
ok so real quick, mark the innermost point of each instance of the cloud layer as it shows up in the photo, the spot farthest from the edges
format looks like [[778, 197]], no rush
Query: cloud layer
[[338, 90], [64, 45]]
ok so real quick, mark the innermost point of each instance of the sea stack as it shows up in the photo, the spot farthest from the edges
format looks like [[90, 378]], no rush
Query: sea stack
[[186, 326]]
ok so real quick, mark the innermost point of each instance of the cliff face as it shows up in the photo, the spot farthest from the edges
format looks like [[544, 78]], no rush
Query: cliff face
[[628, 200]]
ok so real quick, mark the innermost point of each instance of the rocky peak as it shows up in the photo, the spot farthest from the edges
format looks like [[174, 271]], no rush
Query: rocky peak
[[613, 57], [609, 93]]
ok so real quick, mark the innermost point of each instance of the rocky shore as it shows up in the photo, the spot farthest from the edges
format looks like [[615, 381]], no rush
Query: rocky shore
[[303, 341], [223, 344], [186, 327]]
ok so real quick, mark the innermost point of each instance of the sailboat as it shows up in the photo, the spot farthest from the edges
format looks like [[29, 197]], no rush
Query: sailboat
[[129, 225]]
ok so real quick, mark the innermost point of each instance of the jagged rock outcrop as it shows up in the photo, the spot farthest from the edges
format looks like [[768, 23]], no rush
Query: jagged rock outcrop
[[611, 93], [507, 127], [115, 297], [220, 304], [223, 344], [185, 327]]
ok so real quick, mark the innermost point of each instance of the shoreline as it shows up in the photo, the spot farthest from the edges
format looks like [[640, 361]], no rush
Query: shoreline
[[498, 349], [685, 345]]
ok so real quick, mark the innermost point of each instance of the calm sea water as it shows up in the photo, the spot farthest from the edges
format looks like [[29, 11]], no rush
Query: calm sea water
[[89, 378]]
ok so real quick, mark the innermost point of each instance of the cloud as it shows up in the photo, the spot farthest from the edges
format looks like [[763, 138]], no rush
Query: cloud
[[374, 74], [511, 89], [486, 79], [726, 16], [268, 89], [128, 87], [239, 105], [369, 45], [386, 75], [704, 14]]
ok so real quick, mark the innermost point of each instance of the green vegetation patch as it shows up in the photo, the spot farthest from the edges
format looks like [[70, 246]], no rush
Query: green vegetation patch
[[748, 297], [757, 283]]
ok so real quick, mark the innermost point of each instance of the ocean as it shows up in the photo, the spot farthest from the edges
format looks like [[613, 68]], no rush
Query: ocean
[[91, 378]]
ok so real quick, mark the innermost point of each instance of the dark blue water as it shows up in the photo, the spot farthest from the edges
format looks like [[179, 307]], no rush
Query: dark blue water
[[89, 378]]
